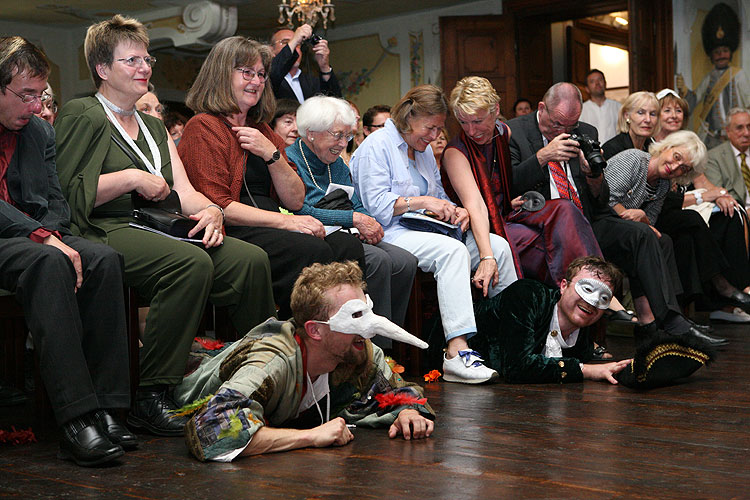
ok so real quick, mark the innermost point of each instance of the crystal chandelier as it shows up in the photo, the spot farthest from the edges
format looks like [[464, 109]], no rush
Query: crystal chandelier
[[305, 11]]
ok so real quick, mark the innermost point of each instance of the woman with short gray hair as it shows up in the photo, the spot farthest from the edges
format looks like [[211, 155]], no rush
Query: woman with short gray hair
[[325, 126]]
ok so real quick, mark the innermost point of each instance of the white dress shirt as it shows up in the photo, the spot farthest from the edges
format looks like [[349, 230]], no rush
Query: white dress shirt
[[603, 117]]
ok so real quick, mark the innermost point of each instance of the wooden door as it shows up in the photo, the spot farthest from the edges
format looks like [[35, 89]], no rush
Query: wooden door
[[479, 46], [579, 57], [651, 47]]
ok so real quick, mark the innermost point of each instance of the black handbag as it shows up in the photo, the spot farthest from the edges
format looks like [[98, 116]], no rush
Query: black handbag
[[164, 215]]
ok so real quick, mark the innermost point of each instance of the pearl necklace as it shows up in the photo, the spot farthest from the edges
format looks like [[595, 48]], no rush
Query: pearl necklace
[[114, 107], [310, 170]]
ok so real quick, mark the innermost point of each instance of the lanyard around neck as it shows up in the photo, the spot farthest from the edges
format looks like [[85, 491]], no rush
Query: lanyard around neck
[[155, 153]]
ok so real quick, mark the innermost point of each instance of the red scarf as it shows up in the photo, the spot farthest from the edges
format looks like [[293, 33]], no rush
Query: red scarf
[[490, 182]]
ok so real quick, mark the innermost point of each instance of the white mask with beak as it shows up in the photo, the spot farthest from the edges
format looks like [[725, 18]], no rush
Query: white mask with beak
[[355, 317]]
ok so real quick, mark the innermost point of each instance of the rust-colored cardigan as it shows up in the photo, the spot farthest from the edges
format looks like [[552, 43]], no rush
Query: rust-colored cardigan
[[213, 158]]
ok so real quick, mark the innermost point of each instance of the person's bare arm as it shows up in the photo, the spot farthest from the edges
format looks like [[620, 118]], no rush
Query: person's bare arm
[[270, 440]]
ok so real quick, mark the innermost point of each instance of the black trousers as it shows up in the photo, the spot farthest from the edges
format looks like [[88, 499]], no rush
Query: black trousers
[[646, 259], [729, 233], [80, 338], [290, 252], [699, 257]]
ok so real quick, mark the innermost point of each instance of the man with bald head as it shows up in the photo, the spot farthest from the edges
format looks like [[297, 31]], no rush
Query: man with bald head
[[547, 160]]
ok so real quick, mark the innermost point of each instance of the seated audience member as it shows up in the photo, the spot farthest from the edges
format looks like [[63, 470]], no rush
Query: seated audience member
[[521, 107], [70, 288], [715, 205], [639, 183], [538, 334], [599, 111], [326, 124], [729, 164], [175, 123], [287, 79], [374, 118], [297, 384], [636, 123], [479, 173], [149, 104], [284, 121], [539, 141], [232, 155], [49, 107], [109, 155], [438, 145], [394, 173]]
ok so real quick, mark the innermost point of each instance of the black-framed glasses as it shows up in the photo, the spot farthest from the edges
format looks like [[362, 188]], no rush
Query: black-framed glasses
[[249, 74], [341, 135], [136, 61], [29, 98], [377, 126]]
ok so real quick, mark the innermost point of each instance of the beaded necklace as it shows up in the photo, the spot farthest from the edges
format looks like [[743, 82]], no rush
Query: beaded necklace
[[310, 170]]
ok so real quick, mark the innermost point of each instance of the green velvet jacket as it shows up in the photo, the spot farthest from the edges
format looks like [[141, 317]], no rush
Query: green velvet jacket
[[512, 330]]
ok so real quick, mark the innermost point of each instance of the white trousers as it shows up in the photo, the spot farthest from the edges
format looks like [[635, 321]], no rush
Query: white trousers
[[451, 262]]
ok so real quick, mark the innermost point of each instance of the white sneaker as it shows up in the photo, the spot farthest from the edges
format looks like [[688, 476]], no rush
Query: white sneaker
[[467, 368], [736, 316]]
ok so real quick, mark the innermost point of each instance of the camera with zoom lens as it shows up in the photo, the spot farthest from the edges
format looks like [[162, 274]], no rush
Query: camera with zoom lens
[[314, 40], [592, 153]]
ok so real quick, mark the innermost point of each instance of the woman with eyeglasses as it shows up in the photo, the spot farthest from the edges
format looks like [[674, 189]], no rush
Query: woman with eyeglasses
[[326, 125], [725, 217], [395, 173], [639, 183], [232, 155], [49, 106], [637, 122], [111, 157]]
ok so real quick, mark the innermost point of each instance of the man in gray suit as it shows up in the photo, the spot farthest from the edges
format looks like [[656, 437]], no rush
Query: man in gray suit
[[70, 288], [729, 163], [546, 160]]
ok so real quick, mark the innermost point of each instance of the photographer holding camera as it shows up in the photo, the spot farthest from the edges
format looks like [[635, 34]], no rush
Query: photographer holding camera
[[540, 143], [287, 80]]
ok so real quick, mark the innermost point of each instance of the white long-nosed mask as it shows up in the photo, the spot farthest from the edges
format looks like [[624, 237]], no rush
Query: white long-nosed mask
[[355, 317]]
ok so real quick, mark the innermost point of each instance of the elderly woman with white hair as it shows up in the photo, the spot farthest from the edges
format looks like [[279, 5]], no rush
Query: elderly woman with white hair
[[325, 125], [639, 183]]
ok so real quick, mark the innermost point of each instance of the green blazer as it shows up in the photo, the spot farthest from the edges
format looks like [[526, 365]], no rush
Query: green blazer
[[512, 329], [722, 170]]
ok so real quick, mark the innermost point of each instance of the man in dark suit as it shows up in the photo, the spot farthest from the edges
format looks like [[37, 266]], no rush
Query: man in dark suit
[[546, 160], [70, 289], [287, 80]]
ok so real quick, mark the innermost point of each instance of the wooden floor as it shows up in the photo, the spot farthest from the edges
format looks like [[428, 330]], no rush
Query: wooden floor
[[589, 440]]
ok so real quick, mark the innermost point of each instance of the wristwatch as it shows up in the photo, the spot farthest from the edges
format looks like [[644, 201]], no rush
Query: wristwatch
[[698, 198], [276, 156]]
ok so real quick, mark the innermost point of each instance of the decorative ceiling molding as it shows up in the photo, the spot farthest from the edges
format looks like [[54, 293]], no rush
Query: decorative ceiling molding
[[197, 26]]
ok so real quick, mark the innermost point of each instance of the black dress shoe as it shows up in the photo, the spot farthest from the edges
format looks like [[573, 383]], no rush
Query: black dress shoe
[[10, 396], [739, 299], [84, 443], [152, 412], [699, 327], [713, 341], [116, 432]]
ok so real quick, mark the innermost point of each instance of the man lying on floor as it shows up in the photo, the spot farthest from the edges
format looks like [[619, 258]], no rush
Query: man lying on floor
[[537, 334], [277, 388]]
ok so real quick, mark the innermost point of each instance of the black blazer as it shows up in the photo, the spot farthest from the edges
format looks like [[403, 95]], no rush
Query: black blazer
[[33, 185], [620, 143], [282, 64], [529, 175]]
